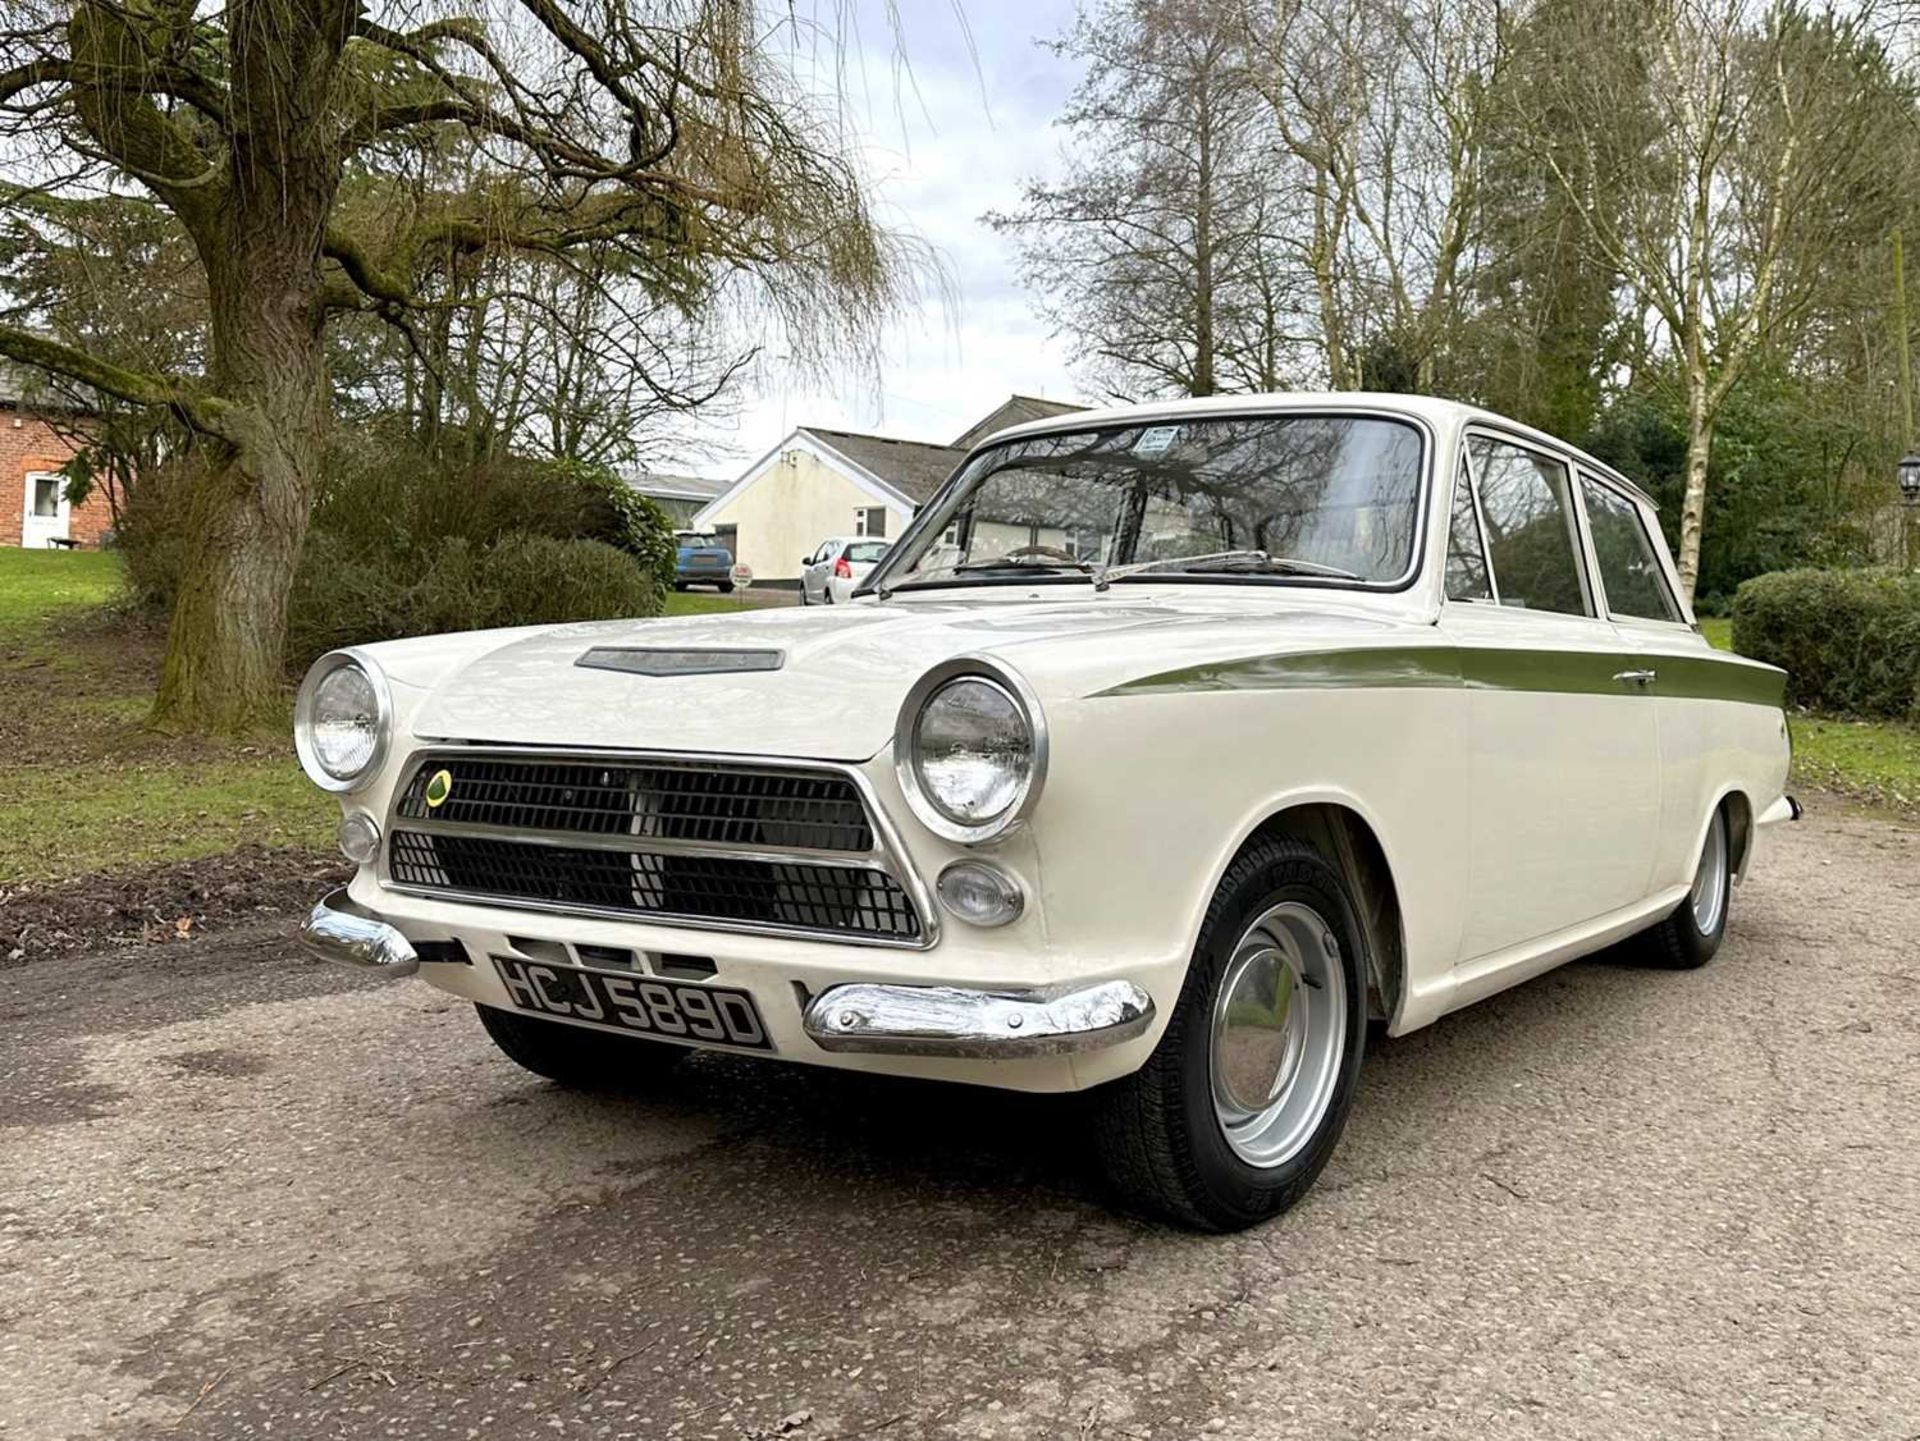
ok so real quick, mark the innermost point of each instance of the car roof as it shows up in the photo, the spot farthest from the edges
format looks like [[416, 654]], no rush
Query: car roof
[[1435, 411]]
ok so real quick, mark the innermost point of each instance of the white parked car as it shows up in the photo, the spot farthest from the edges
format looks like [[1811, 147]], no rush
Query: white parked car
[[1170, 747], [836, 569]]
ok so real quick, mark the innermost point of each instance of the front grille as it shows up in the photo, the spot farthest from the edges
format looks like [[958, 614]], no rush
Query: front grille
[[652, 841], [753, 808], [847, 899]]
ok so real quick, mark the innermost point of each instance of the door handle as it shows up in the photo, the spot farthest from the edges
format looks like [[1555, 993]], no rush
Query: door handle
[[1641, 678]]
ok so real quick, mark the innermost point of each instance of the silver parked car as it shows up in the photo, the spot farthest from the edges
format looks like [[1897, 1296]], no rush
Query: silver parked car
[[837, 567]]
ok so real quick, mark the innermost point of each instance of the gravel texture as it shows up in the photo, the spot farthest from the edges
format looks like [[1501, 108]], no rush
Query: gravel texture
[[244, 1196]]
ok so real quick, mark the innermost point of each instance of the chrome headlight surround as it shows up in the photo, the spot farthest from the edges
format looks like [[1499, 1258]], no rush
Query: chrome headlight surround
[[907, 757], [303, 719]]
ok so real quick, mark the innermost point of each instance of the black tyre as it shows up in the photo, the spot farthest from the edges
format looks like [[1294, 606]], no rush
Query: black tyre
[[575, 1056], [1689, 937], [1244, 1099], [679, 585], [726, 587]]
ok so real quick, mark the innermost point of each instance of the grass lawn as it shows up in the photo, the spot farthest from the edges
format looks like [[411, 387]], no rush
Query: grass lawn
[[710, 602], [85, 787], [1875, 761]]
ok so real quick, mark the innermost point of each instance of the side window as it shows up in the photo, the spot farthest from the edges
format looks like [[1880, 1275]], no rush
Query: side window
[[1629, 566], [1466, 556], [1528, 505]]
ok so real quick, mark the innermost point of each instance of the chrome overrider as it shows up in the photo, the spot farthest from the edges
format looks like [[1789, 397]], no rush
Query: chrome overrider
[[341, 930], [954, 1021], [857, 1016]]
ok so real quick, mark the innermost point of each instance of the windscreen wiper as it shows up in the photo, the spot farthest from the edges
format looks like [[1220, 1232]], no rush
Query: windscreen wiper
[[1224, 561]]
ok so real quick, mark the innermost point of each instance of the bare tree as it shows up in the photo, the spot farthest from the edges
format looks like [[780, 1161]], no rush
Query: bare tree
[[1771, 126], [657, 129], [1158, 253], [1381, 107]]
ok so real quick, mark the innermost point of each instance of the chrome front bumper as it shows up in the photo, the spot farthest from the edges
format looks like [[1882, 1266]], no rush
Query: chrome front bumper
[[892, 1020], [341, 930], [951, 1021]]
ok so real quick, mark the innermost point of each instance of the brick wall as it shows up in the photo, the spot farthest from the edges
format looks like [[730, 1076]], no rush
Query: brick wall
[[28, 444]]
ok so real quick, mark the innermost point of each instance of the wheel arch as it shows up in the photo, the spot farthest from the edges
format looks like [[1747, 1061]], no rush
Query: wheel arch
[[1739, 808], [1339, 827]]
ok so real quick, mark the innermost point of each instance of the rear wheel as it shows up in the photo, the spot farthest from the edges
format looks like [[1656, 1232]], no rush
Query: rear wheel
[[575, 1056], [726, 587], [1245, 1097], [1690, 936]]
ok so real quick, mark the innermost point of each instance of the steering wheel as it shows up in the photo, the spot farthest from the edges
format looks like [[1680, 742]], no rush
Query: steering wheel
[[1052, 552]]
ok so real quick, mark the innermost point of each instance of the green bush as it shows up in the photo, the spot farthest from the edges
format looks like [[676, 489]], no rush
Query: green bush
[[402, 545], [1849, 640], [341, 597], [155, 524]]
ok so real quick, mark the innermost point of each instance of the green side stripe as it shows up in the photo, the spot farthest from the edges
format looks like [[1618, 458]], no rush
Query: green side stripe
[[1475, 668]]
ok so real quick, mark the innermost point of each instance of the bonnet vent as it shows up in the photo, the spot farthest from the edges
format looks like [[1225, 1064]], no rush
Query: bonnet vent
[[649, 660]]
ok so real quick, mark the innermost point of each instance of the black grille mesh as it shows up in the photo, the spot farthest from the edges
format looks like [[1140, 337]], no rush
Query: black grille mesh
[[844, 899], [683, 803]]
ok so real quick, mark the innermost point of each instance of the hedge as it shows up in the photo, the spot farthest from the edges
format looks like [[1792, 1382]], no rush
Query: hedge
[[1849, 640], [402, 544]]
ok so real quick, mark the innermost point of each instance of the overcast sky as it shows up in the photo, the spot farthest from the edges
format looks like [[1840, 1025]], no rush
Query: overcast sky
[[942, 146]]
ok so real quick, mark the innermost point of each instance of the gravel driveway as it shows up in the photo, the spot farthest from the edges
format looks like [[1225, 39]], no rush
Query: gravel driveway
[[241, 1195]]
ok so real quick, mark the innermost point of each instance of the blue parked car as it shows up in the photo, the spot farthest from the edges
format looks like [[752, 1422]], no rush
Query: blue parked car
[[702, 560]]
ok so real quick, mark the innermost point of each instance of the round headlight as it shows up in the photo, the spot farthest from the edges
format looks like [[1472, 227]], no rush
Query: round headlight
[[341, 719], [970, 751]]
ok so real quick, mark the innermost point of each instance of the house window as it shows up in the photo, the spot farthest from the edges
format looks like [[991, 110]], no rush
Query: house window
[[871, 521]]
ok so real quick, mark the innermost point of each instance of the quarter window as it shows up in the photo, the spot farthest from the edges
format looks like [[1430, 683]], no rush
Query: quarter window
[[1629, 565], [1526, 501], [1466, 556]]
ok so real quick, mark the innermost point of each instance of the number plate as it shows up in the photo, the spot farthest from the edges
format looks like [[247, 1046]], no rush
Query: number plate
[[644, 1005]]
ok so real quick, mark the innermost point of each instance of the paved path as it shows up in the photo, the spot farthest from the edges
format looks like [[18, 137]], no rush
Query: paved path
[[241, 1195]]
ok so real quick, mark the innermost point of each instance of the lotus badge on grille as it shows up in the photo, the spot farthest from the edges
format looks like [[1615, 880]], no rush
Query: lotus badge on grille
[[439, 787]]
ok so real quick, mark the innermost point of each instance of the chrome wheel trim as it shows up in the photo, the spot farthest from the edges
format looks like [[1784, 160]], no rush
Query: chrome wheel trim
[[1279, 1034], [1709, 895]]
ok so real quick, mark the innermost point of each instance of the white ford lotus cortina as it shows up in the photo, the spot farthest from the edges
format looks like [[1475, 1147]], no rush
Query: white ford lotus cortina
[[1168, 748]]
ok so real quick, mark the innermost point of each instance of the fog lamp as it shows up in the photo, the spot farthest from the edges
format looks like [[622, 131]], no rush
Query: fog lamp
[[359, 837], [980, 894]]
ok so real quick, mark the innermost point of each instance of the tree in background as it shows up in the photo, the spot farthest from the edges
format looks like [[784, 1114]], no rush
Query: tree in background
[[1767, 151], [1158, 254], [1381, 108], [116, 278], [657, 131], [1600, 218]]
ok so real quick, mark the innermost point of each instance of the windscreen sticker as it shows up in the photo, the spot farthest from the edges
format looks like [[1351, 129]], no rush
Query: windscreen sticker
[[1156, 440]]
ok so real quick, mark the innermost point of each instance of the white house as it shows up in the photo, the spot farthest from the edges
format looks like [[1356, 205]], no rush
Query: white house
[[818, 483]]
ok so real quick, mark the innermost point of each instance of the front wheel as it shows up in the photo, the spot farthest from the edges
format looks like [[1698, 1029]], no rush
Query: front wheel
[[1244, 1099], [726, 587], [1688, 938], [575, 1056]]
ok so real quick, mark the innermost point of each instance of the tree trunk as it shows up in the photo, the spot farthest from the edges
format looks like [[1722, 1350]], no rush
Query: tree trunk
[[1693, 504], [252, 495]]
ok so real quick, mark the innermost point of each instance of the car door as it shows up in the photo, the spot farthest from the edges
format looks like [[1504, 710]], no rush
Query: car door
[[1642, 601], [1563, 750], [813, 580]]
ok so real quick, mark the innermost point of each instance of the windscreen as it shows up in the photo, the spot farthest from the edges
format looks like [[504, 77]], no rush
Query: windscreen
[[1331, 497]]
